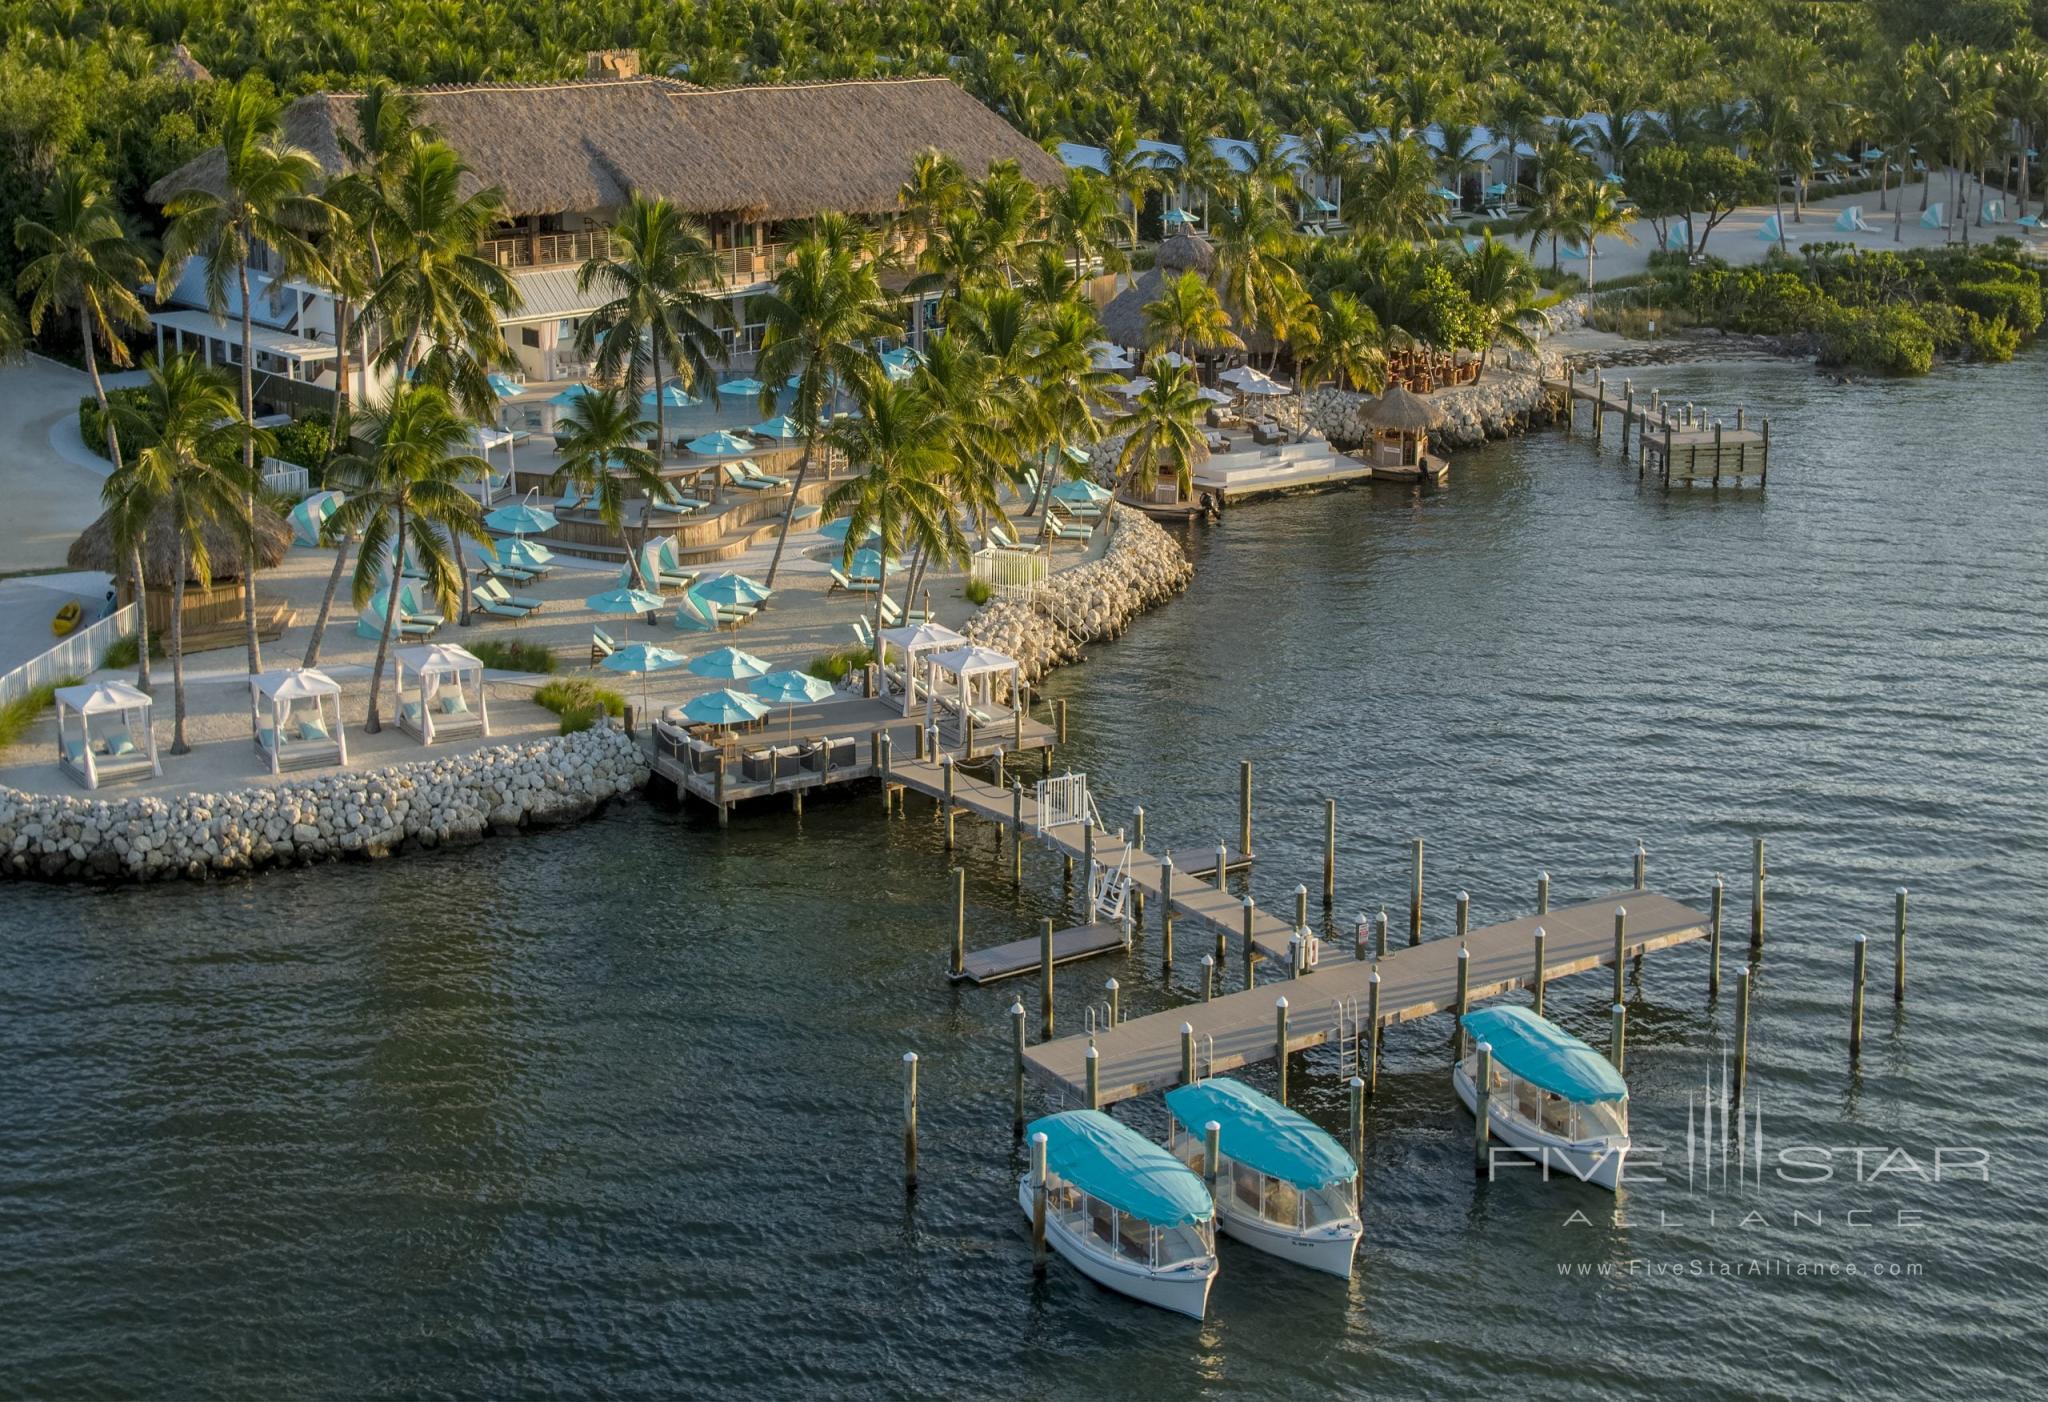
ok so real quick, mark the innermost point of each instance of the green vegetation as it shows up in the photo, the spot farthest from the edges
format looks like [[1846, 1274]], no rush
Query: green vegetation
[[979, 592], [19, 714], [579, 701], [514, 655], [92, 424], [1880, 311], [834, 666]]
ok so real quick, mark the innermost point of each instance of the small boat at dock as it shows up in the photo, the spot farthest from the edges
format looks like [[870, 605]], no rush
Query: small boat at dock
[[1124, 1212], [1283, 1186], [1553, 1097]]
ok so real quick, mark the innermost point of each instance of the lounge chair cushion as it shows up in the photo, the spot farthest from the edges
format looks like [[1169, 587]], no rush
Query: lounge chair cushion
[[410, 710], [74, 750], [454, 704], [312, 730], [119, 744]]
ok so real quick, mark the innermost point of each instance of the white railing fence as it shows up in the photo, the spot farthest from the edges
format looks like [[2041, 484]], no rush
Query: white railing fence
[[282, 476], [1005, 571], [75, 656]]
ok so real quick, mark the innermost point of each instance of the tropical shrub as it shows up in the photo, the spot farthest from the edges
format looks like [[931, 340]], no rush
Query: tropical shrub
[[514, 655], [304, 442], [834, 666], [93, 428], [1888, 340], [579, 701]]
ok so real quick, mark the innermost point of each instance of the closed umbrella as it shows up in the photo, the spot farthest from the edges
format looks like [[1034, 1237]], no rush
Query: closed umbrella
[[728, 664]]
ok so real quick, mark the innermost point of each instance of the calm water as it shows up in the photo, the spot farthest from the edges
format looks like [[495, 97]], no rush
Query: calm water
[[613, 1109]]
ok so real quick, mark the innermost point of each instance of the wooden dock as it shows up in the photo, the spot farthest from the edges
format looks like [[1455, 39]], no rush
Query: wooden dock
[[1144, 1054], [1021, 957], [1672, 440]]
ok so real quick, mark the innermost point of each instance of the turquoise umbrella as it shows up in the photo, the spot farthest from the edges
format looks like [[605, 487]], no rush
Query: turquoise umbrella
[[1179, 216], [744, 385], [722, 708], [624, 601], [789, 688], [574, 394], [781, 426], [519, 518], [718, 445], [867, 564], [1084, 491], [505, 388], [836, 530], [524, 554], [643, 658], [670, 396], [730, 588], [730, 664]]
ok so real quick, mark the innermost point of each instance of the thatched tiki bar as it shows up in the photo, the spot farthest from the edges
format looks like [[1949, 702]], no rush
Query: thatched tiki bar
[[213, 609], [1398, 450], [749, 163]]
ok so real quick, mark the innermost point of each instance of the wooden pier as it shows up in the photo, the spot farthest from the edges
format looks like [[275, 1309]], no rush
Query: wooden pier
[[1672, 441], [1021, 957], [1144, 1054]]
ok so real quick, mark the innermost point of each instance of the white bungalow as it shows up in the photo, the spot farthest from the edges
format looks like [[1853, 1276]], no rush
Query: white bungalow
[[289, 712], [104, 733], [446, 698]]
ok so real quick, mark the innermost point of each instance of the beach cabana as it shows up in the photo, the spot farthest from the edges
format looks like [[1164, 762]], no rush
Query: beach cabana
[[976, 670], [447, 692], [310, 515], [289, 712], [914, 641], [104, 733], [1401, 421], [1678, 238]]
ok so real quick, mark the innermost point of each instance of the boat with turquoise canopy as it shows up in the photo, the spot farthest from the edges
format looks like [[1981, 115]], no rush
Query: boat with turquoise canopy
[[1282, 1186], [1551, 1096], [1124, 1212]]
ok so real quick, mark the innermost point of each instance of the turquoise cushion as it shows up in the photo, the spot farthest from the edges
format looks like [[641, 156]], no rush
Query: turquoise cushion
[[268, 737], [312, 730], [74, 750], [119, 744], [411, 710], [454, 704]]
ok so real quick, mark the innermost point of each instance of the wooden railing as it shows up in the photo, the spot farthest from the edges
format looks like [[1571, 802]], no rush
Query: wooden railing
[[736, 267]]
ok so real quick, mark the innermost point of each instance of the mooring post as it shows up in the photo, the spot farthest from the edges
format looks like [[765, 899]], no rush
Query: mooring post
[[1717, 452], [1764, 473], [1038, 1146], [1137, 891], [1380, 935], [1482, 1107], [1088, 861], [1356, 1087], [1060, 717], [878, 746], [1017, 1067], [1537, 981], [1756, 898], [959, 921], [1045, 980], [1714, 909], [1899, 946], [1856, 1000], [910, 1119], [1166, 895], [1244, 807], [1017, 832], [1628, 412], [1091, 1061], [1599, 404], [1543, 893], [1464, 914], [1280, 1042], [1372, 1031], [1250, 949], [1329, 851], [946, 785], [1617, 1037], [917, 750], [1212, 1155], [1112, 990], [1464, 997], [1187, 1053], [1222, 866], [1640, 867], [1620, 948], [1300, 907], [1361, 937], [1741, 1032], [1208, 977], [996, 776], [1415, 899]]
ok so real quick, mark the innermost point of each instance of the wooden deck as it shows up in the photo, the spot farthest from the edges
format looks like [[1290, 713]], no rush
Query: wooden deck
[[1672, 441], [1022, 956], [1143, 1054]]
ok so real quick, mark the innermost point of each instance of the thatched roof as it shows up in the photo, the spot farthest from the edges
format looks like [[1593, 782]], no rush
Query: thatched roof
[[94, 548], [1123, 320], [773, 152], [1184, 251], [1404, 411]]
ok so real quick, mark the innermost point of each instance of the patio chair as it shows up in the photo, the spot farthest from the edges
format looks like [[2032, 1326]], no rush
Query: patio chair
[[601, 646], [753, 472], [570, 499], [737, 476], [491, 589], [511, 574], [674, 502]]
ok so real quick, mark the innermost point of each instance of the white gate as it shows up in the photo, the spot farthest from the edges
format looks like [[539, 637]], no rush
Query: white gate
[[1062, 802], [1007, 571]]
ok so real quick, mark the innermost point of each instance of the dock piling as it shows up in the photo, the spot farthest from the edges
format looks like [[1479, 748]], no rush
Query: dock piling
[[959, 921], [1756, 895], [1415, 899], [1543, 893], [1640, 867], [1113, 991], [946, 778], [1856, 1000], [1017, 1066], [1045, 980], [1714, 937], [1617, 1037], [1017, 832], [1899, 946], [1280, 1042], [1250, 950], [910, 1119], [1742, 977], [1356, 1087], [1536, 983], [1138, 892], [1212, 1155], [1187, 1053], [1166, 896], [1300, 907], [1482, 1108], [1092, 1060], [1329, 851], [1038, 1146], [1464, 914], [1620, 948], [1208, 977], [1223, 866], [1464, 1002], [1088, 860], [1244, 809], [1372, 1032], [1059, 712]]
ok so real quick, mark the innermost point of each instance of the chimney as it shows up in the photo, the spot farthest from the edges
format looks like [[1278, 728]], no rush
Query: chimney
[[611, 63]]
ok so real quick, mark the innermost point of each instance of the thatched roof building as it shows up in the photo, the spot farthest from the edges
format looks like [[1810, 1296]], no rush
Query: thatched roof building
[[1123, 320], [773, 152], [94, 548], [1404, 411]]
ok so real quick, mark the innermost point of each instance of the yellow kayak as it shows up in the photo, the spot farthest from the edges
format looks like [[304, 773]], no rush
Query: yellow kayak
[[67, 619]]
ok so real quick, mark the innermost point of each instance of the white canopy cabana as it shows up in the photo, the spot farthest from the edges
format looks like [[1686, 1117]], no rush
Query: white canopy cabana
[[912, 641], [447, 691], [121, 745], [485, 437], [289, 710], [976, 669]]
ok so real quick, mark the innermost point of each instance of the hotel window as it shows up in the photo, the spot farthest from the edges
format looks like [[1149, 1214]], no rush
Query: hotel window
[[529, 336]]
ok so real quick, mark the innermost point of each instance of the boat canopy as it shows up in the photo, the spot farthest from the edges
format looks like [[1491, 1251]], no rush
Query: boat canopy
[[1261, 1133], [1122, 1168], [1545, 1055]]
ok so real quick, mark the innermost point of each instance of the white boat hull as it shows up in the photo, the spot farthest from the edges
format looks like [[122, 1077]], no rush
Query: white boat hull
[[1595, 1161], [1182, 1288], [1329, 1248]]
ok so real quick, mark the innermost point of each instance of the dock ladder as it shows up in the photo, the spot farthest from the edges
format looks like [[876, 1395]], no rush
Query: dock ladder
[[1108, 889], [1350, 1037]]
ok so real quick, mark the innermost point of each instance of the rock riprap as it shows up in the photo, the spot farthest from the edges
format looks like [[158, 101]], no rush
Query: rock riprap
[[347, 813], [1142, 566]]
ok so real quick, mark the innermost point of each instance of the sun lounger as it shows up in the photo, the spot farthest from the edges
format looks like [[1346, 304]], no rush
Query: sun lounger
[[753, 472], [601, 646], [852, 586], [864, 633], [491, 589], [511, 574], [672, 501], [571, 499], [737, 475]]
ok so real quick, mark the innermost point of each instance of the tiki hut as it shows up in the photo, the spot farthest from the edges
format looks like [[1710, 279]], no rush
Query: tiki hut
[[1401, 421], [207, 608], [1123, 320]]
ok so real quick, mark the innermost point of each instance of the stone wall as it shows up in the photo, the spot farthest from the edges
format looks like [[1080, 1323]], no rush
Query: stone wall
[[1141, 567], [367, 813]]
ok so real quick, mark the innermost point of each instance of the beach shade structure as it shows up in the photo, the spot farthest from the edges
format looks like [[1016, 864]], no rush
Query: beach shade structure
[[1678, 238], [726, 707], [1323, 206], [523, 554], [781, 426], [571, 396], [521, 518], [1935, 216], [504, 387], [1404, 411], [1573, 249], [642, 658], [1108, 357], [1769, 229], [1130, 389], [1991, 211], [1212, 396], [311, 514], [836, 530], [445, 678], [1083, 491], [722, 444], [1850, 221], [104, 733], [913, 641], [1248, 379], [624, 600], [1179, 218], [744, 387], [669, 396], [729, 664], [2028, 221], [1171, 358], [976, 669], [791, 689], [730, 588], [1496, 190], [867, 564], [289, 709]]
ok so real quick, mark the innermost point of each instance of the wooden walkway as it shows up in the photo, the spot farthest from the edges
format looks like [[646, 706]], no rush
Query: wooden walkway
[[1019, 957], [1671, 440], [1144, 1054]]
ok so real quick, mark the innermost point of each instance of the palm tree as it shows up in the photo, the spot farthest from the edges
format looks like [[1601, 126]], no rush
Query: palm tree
[[405, 497], [1187, 314], [2023, 98], [1504, 294], [1593, 213], [1006, 206], [1081, 214], [1163, 430], [935, 189], [350, 253], [1775, 135], [189, 478], [1255, 265], [824, 305], [1396, 196], [1129, 172], [262, 203], [658, 261], [82, 261], [1514, 115], [900, 443], [1332, 155], [601, 437], [1340, 341]]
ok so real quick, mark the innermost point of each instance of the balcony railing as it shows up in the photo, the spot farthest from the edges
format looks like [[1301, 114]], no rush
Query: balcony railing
[[737, 267]]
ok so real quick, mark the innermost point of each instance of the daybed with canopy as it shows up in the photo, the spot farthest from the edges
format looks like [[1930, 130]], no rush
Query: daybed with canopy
[[289, 710], [446, 695], [104, 733]]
